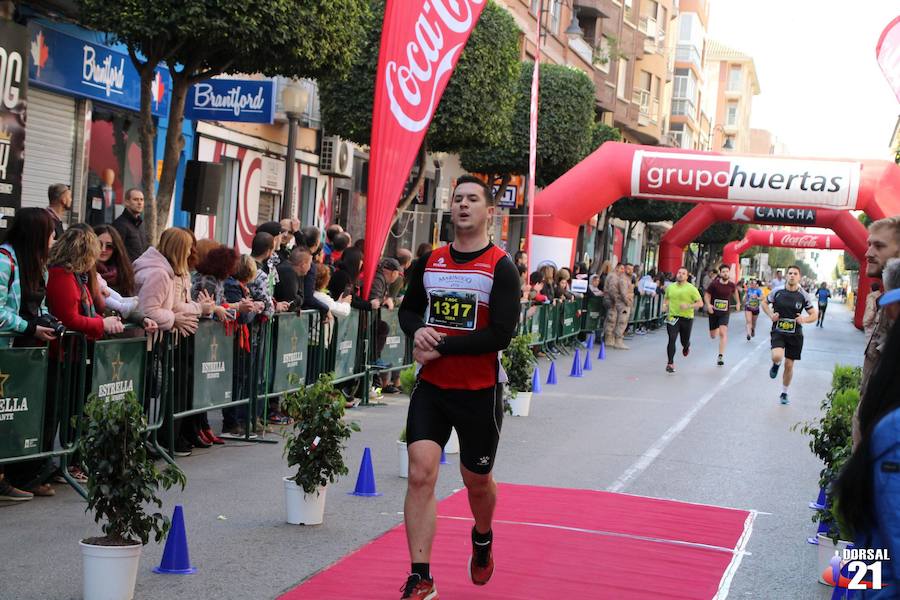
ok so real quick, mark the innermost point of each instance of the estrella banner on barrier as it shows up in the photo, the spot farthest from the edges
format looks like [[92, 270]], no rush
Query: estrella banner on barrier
[[23, 385], [421, 41], [888, 53]]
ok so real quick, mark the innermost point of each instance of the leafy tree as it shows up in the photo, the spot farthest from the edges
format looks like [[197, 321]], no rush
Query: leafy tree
[[850, 262], [720, 234], [649, 211], [603, 133], [477, 104], [565, 127], [204, 38]]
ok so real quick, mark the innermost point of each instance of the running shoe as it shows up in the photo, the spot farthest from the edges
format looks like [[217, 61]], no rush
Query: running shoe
[[670, 368], [481, 563], [686, 350], [748, 337], [773, 372], [417, 588], [784, 398], [720, 361], [9, 493]]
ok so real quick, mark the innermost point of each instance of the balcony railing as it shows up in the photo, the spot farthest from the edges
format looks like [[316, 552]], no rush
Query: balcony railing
[[649, 108], [648, 26], [582, 49], [688, 53], [684, 107]]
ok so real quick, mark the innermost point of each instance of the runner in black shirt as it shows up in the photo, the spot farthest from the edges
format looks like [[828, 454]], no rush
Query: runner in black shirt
[[785, 307]]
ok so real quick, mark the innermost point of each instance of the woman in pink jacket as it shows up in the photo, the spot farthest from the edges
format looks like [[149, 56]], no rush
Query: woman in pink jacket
[[162, 279]]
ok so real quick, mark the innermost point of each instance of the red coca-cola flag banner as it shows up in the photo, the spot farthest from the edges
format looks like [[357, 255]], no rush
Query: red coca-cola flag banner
[[421, 41], [888, 53]]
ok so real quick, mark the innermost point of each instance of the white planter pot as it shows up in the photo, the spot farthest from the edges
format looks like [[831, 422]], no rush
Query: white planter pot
[[404, 459], [452, 446], [110, 572], [302, 508], [826, 550], [521, 404]]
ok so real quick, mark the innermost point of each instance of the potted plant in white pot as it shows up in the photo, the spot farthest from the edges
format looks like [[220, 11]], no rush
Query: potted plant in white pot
[[314, 447], [407, 384], [122, 481], [518, 361], [402, 454], [831, 440]]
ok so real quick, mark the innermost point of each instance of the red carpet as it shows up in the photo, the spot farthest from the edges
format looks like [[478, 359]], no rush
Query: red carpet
[[554, 543]]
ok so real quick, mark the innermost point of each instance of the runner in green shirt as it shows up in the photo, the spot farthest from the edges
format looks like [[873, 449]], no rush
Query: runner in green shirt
[[681, 300]]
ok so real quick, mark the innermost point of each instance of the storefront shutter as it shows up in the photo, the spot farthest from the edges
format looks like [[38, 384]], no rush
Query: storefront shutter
[[49, 144]]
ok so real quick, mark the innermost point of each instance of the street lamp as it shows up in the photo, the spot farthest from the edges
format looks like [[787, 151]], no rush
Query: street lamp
[[293, 100], [728, 144], [574, 29]]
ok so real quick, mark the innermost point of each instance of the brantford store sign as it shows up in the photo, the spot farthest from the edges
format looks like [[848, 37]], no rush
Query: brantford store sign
[[808, 183]]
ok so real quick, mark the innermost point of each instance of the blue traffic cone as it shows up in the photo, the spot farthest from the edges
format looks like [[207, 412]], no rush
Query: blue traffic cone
[[444, 460], [551, 376], [175, 558], [823, 528], [590, 341], [602, 354], [819, 504], [577, 370], [365, 481], [587, 361], [536, 381]]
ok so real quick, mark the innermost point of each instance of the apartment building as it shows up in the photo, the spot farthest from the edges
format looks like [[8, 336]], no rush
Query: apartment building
[[731, 80], [623, 46], [690, 108]]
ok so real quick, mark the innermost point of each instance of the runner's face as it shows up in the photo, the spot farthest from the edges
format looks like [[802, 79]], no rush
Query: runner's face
[[882, 247], [681, 276], [469, 210], [724, 274], [793, 277]]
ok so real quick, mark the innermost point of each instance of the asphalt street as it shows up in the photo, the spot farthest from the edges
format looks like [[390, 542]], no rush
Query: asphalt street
[[706, 434]]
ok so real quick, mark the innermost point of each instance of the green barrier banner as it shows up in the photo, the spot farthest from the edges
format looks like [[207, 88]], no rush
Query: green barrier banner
[[23, 388], [539, 325], [213, 365], [394, 352], [594, 314], [118, 368], [570, 322], [290, 351], [345, 340], [553, 323]]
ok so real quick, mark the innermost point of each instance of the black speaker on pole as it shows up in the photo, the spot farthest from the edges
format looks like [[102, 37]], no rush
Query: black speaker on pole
[[202, 187], [447, 233]]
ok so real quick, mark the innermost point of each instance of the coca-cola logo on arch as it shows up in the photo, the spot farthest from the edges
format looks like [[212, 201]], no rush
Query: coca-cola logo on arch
[[413, 85]]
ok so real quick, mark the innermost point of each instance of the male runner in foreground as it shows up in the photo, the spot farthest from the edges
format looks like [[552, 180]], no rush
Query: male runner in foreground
[[461, 309], [752, 300], [786, 312], [680, 301], [718, 304]]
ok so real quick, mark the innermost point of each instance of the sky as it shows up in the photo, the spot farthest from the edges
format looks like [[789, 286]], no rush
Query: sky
[[822, 92]]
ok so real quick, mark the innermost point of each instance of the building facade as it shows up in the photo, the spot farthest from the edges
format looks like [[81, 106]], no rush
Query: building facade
[[731, 80]]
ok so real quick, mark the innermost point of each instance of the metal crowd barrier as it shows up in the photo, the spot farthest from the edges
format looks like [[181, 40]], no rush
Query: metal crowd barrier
[[555, 326], [646, 311]]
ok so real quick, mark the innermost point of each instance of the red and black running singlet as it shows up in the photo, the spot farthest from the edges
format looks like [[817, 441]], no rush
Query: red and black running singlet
[[458, 297]]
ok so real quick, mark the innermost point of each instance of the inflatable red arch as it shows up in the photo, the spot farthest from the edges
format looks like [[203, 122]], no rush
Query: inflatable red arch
[[617, 170], [847, 228]]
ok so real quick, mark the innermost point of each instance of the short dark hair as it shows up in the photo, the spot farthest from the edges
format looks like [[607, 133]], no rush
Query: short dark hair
[[55, 192], [262, 243], [298, 254], [724, 266], [536, 278], [332, 231], [488, 192], [793, 267], [341, 241], [310, 236], [132, 189]]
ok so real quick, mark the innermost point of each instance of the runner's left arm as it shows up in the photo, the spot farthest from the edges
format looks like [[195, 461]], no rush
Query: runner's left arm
[[504, 304], [415, 302]]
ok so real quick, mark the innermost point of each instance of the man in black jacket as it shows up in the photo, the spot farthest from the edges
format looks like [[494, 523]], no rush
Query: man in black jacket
[[129, 224]]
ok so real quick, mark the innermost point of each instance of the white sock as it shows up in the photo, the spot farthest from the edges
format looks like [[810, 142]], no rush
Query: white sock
[[784, 389]]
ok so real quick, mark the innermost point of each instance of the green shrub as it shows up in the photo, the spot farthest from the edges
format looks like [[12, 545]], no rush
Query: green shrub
[[408, 380], [831, 437], [122, 478], [518, 361], [318, 412]]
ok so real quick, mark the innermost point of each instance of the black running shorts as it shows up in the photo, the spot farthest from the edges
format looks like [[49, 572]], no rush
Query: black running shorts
[[718, 319], [791, 342], [477, 416]]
